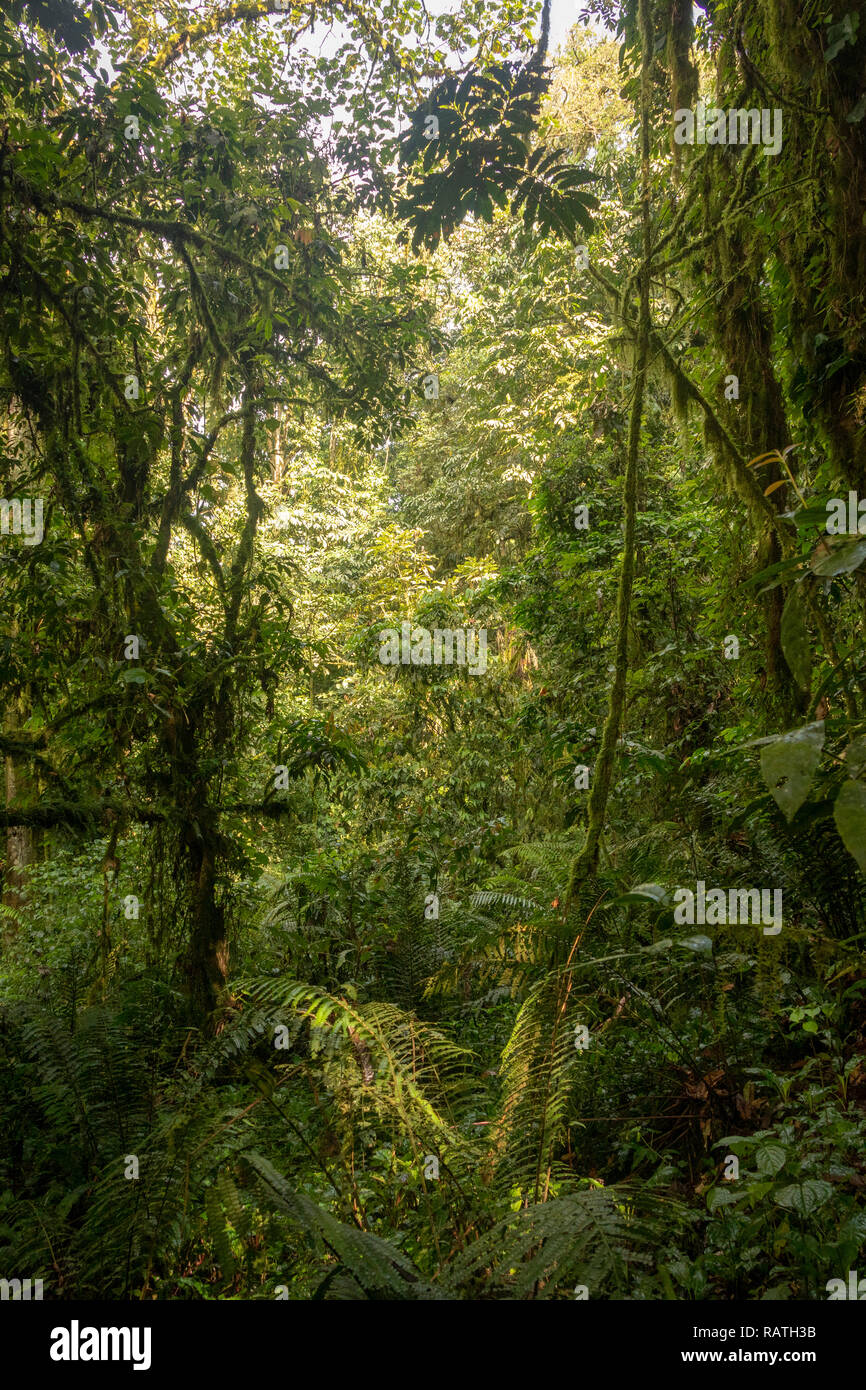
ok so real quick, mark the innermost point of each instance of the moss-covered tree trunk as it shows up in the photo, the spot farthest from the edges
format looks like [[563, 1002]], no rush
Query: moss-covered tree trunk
[[21, 841], [602, 776]]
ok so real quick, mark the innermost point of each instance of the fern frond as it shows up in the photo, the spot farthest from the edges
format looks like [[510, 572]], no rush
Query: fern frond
[[379, 1270], [381, 1060], [589, 1237], [491, 898], [539, 1063]]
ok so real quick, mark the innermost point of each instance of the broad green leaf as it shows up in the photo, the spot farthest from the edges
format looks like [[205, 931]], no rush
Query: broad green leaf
[[736, 1142], [757, 1191], [849, 813], [805, 1197], [723, 1197], [770, 1158], [789, 764], [645, 893], [843, 560], [811, 516]]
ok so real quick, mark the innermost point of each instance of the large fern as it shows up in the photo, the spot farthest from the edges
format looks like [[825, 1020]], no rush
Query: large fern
[[590, 1238]]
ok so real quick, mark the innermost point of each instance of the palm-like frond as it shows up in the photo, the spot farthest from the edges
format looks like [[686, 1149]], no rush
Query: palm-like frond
[[588, 1238], [409, 1067]]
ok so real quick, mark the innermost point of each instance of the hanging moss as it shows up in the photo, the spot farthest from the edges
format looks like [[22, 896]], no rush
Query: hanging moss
[[683, 72]]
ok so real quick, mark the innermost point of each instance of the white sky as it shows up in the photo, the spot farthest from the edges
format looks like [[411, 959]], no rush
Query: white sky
[[563, 13]]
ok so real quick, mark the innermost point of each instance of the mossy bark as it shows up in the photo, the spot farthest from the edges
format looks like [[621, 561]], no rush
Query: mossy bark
[[587, 860]]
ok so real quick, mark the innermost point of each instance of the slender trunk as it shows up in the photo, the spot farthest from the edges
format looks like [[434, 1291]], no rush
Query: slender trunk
[[587, 861], [208, 947], [20, 840]]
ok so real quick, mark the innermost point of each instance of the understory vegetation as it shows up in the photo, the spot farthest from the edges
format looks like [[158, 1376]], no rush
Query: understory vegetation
[[328, 970]]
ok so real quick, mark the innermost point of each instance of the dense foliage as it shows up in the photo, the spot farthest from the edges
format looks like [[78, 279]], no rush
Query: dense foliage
[[324, 977]]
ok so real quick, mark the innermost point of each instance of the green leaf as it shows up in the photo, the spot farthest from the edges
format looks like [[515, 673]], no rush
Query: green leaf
[[697, 943], [849, 813], [645, 893], [789, 764], [771, 1158], [756, 1191], [736, 1142], [855, 756], [856, 114], [811, 516], [795, 639], [723, 1197], [843, 32], [805, 1197], [843, 560]]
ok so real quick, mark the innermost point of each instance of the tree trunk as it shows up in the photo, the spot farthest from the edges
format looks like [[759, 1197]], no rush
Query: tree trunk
[[207, 962], [586, 862], [20, 840]]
